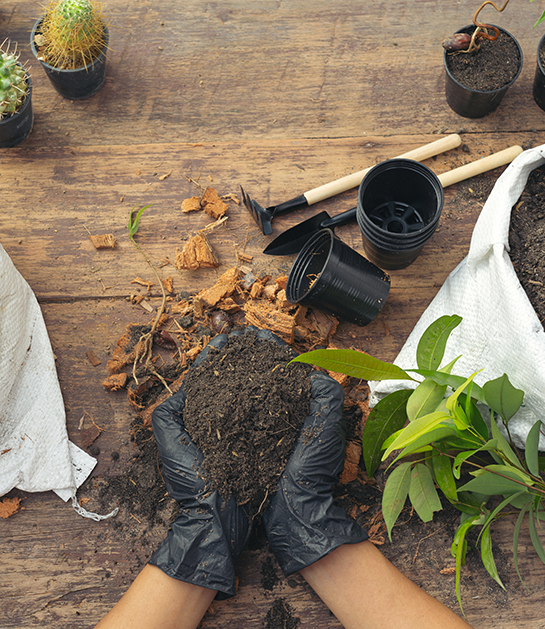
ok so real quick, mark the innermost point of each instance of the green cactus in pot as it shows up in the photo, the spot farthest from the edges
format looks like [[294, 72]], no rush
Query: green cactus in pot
[[72, 33], [13, 82]]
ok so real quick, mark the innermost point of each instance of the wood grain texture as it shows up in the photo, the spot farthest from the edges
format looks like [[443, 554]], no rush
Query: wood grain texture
[[237, 70], [279, 97]]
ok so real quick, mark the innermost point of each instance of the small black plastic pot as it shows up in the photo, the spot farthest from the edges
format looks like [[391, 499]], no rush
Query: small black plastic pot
[[17, 127], [75, 84], [330, 275], [539, 78], [399, 206], [471, 103]]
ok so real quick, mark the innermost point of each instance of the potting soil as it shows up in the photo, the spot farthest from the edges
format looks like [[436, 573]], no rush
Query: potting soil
[[527, 240], [492, 66], [245, 406]]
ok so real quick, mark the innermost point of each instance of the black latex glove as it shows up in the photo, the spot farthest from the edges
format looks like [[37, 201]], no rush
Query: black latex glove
[[303, 523], [208, 534]]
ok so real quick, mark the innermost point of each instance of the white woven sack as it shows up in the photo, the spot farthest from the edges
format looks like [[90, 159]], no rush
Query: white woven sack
[[500, 331], [35, 453]]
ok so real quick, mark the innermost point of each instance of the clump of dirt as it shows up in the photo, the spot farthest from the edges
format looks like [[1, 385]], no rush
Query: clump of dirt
[[492, 66], [280, 616], [269, 576], [527, 240], [245, 406]]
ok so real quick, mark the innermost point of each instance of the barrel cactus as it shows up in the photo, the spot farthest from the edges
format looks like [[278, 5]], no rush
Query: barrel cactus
[[73, 33], [13, 83]]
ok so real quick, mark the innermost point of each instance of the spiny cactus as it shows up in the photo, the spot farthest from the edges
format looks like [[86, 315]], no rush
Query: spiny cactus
[[73, 33], [13, 84]]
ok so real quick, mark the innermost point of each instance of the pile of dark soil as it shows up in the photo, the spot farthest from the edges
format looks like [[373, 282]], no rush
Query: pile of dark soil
[[245, 406], [527, 240], [492, 66], [280, 616]]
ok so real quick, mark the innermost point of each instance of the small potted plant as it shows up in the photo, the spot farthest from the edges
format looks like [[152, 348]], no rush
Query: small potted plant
[[70, 41], [15, 99], [481, 62]]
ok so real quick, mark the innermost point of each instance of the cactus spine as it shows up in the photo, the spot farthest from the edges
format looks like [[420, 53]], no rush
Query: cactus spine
[[73, 33], [13, 84]]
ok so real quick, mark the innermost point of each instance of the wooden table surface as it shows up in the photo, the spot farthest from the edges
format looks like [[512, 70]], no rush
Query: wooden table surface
[[279, 97]]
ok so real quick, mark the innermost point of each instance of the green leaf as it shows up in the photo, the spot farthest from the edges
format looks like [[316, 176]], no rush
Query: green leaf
[[516, 534], [395, 495], [467, 503], [531, 452], [503, 397], [453, 399], [458, 550], [134, 225], [474, 415], [534, 535], [416, 429], [353, 363], [442, 470], [425, 399], [503, 446], [431, 347], [463, 456], [450, 380], [422, 493], [502, 505], [488, 557], [433, 436], [384, 419], [490, 483]]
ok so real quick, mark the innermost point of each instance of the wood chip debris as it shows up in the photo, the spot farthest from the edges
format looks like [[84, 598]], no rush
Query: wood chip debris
[[9, 507], [196, 254], [210, 202], [139, 280], [93, 358], [104, 241]]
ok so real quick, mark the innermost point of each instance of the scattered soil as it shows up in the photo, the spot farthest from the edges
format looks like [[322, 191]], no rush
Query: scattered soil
[[280, 616], [245, 406], [492, 66], [527, 240]]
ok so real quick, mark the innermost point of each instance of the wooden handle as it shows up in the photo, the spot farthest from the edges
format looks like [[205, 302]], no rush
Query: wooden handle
[[480, 166], [351, 181]]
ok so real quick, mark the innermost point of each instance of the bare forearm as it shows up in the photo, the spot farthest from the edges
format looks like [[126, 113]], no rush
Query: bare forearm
[[365, 591], [156, 601]]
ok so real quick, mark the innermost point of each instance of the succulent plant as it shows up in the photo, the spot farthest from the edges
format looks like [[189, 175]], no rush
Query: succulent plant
[[13, 84], [72, 34]]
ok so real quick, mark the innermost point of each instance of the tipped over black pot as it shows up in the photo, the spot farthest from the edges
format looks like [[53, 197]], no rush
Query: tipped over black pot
[[330, 275]]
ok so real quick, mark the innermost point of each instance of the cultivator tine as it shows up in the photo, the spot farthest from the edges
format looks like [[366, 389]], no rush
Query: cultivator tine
[[261, 215]]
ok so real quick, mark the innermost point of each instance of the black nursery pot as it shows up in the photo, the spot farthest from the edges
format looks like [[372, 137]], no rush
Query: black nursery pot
[[539, 78], [471, 103], [399, 206], [330, 275], [75, 84], [17, 127]]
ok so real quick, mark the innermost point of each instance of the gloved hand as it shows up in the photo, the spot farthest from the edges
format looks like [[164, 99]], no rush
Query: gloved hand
[[209, 533], [303, 523]]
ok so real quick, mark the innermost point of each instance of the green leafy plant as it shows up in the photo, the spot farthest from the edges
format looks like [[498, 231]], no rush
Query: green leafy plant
[[13, 82], [440, 441], [72, 33]]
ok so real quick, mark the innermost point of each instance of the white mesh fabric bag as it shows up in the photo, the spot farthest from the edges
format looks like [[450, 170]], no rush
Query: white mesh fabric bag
[[35, 453], [500, 331]]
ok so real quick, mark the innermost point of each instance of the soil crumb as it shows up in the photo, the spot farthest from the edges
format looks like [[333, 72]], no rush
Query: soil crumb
[[280, 616], [245, 406], [527, 240], [269, 577]]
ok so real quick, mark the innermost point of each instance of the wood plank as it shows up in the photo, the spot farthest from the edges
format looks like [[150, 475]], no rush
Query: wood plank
[[195, 71], [69, 193]]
